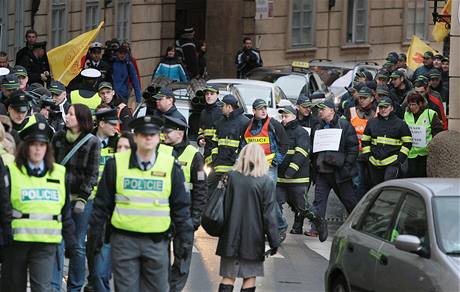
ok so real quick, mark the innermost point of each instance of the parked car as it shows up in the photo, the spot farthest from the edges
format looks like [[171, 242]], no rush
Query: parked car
[[404, 235], [295, 81], [250, 90], [338, 76]]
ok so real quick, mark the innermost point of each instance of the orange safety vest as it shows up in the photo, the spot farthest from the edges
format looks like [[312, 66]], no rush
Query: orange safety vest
[[263, 139], [359, 124], [120, 107]]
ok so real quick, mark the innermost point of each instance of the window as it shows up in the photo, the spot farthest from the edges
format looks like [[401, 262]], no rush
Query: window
[[302, 20], [19, 24], [378, 218], [123, 19], [357, 21], [416, 19], [92, 14], [3, 25], [58, 22], [411, 219]]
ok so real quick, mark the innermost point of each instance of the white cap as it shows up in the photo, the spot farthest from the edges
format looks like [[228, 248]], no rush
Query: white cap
[[91, 73], [95, 45], [4, 71]]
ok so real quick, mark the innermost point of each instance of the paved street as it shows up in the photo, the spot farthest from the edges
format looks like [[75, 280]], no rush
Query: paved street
[[298, 266]]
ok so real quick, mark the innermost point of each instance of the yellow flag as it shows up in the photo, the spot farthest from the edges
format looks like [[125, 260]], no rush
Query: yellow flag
[[65, 60], [440, 31], [415, 52]]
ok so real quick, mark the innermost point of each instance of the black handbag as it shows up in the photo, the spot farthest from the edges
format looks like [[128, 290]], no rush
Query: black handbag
[[212, 218]]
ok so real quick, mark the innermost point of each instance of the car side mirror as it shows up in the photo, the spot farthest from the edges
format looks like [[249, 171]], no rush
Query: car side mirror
[[284, 103], [409, 243], [317, 95]]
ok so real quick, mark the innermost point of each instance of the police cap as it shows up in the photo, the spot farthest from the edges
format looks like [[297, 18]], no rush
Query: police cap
[[174, 123], [228, 99], [146, 125], [10, 82], [39, 131], [91, 73], [19, 101], [19, 70], [56, 87], [107, 115]]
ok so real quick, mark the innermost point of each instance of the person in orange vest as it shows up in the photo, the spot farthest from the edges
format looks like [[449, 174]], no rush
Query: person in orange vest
[[358, 117], [271, 135]]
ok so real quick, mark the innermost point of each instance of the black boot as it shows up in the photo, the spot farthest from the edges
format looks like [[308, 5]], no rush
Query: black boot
[[252, 289], [298, 224], [225, 288], [319, 222]]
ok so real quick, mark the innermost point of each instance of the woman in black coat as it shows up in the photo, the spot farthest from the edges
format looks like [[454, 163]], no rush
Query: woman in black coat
[[249, 208]]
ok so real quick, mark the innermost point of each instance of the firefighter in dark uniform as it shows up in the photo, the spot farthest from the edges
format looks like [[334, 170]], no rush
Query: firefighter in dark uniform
[[86, 91], [144, 192], [386, 143], [35, 213], [195, 178], [294, 175], [208, 119], [305, 116], [107, 122], [227, 140]]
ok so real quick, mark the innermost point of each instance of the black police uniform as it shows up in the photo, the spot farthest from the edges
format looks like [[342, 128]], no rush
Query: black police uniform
[[198, 190]]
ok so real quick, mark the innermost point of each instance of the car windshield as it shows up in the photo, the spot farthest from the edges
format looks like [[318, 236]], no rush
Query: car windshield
[[249, 93], [329, 74], [447, 216], [292, 85]]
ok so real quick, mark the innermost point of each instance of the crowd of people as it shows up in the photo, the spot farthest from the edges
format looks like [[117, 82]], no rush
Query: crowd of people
[[84, 179]]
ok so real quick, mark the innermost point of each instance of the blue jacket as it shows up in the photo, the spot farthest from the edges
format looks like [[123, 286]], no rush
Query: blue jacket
[[172, 69], [122, 71]]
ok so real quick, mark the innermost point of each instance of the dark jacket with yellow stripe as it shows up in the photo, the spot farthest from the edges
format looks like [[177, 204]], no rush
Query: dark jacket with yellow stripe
[[386, 141], [209, 117], [229, 131], [295, 168]]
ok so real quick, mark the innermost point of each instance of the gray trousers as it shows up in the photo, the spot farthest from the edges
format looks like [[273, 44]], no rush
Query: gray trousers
[[139, 264], [20, 257], [180, 268]]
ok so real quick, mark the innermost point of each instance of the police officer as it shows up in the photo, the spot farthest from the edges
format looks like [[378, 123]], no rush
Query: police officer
[[294, 174], [35, 212], [86, 91], [208, 119], [23, 76], [18, 106], [192, 165], [227, 140], [165, 104], [10, 83], [94, 60], [144, 192], [61, 105], [386, 143], [107, 122]]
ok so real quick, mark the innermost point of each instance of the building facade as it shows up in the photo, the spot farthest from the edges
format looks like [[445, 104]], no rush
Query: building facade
[[284, 30]]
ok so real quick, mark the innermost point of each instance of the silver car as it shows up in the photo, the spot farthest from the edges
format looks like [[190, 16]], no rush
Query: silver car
[[404, 235]]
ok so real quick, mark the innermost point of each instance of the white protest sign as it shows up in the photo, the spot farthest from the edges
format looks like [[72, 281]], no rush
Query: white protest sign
[[418, 135], [308, 130], [327, 140]]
